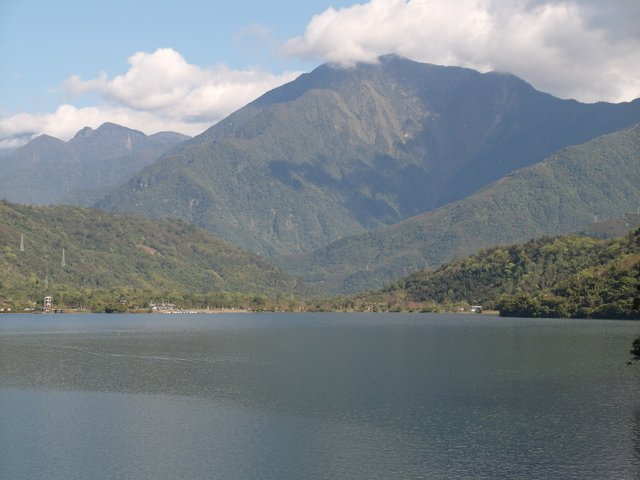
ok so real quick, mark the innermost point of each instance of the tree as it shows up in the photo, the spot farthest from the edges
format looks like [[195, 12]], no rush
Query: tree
[[635, 349]]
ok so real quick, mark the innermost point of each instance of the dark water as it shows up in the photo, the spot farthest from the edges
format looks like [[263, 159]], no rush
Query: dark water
[[316, 396]]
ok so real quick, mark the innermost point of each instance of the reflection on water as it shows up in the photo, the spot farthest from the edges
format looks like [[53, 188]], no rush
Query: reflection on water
[[316, 396]]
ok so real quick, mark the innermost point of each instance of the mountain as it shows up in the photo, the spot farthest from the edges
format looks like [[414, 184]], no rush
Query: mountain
[[568, 276], [559, 195], [612, 228], [105, 252], [49, 171], [342, 151]]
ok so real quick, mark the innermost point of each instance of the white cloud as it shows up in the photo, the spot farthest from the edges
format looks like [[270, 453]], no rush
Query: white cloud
[[159, 91], [8, 144], [164, 83], [563, 47]]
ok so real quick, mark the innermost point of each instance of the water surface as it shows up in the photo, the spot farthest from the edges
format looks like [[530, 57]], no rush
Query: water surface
[[280, 396]]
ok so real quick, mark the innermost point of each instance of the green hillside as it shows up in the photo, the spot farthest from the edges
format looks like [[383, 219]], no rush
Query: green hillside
[[342, 151], [103, 252], [559, 195], [563, 277], [567, 276]]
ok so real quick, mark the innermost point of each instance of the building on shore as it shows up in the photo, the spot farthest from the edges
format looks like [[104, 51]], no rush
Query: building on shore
[[163, 307]]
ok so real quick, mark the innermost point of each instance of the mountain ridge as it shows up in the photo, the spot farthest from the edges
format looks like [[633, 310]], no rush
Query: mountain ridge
[[338, 152], [48, 170]]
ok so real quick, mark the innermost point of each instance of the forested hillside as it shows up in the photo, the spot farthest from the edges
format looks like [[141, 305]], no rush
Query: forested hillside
[[560, 195], [78, 254], [570, 276], [559, 277]]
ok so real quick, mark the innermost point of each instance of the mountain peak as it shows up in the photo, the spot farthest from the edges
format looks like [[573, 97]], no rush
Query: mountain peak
[[80, 170], [44, 139], [113, 128], [85, 132], [389, 57], [107, 131], [389, 68]]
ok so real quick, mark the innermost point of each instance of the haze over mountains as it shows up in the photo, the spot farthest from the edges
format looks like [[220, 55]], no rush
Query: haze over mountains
[[342, 151], [49, 171]]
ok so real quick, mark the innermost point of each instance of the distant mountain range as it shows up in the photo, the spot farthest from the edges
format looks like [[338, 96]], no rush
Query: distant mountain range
[[80, 171], [339, 152], [559, 195]]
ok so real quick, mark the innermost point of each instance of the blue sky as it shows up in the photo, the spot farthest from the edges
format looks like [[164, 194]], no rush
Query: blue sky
[[42, 43], [185, 65]]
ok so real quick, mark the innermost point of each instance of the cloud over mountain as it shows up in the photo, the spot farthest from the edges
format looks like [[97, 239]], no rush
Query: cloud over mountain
[[163, 82], [159, 91], [586, 50]]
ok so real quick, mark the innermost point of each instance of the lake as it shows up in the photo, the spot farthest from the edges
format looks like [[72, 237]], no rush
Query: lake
[[306, 396]]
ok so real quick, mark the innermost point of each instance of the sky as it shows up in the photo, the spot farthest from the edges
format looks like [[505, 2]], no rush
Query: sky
[[183, 66]]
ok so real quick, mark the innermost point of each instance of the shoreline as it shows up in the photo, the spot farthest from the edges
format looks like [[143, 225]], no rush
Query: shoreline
[[64, 311], [212, 311]]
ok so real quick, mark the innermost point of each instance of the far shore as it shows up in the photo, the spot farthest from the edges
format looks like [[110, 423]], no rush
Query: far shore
[[137, 311], [201, 310], [177, 311]]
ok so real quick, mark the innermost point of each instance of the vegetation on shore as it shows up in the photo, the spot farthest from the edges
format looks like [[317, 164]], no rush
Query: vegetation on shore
[[569, 276]]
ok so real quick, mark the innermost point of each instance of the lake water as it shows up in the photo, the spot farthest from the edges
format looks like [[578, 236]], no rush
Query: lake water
[[288, 396]]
